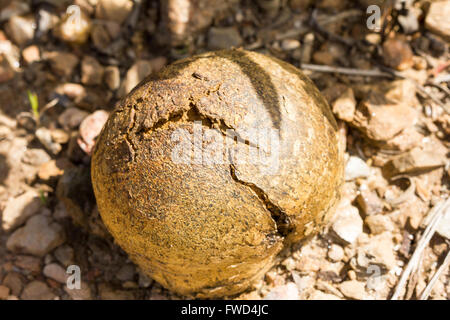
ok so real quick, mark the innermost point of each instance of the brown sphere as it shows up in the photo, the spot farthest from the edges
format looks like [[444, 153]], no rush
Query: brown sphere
[[208, 169]]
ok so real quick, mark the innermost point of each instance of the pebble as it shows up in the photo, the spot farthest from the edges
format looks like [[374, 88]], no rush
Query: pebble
[[114, 10], [285, 292], [14, 281], [13, 8], [380, 251], [20, 29], [335, 253], [31, 54], [126, 273], [71, 118], [356, 168], [290, 44], [44, 136], [344, 106], [38, 237], [444, 226], [65, 255], [320, 295], [397, 54], [84, 293], [29, 263], [112, 77], [35, 157], [380, 119], [62, 63], [56, 272], [74, 29], [37, 290], [53, 169], [223, 38], [60, 136], [369, 202], [347, 224], [91, 71], [6, 70], [353, 289], [4, 292], [417, 159], [379, 224], [90, 128], [437, 20], [108, 293], [137, 72], [18, 210]]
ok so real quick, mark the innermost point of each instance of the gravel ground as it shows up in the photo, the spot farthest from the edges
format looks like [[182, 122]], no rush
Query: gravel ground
[[64, 65]]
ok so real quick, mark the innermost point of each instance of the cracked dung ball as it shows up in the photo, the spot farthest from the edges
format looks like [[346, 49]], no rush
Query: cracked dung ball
[[208, 169]]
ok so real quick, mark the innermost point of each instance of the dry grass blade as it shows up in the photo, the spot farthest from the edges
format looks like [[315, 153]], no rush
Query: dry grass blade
[[435, 215], [347, 71], [444, 266]]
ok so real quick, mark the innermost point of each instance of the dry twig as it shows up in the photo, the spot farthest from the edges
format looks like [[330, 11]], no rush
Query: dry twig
[[435, 215]]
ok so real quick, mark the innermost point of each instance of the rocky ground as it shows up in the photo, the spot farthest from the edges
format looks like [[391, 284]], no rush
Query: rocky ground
[[64, 64]]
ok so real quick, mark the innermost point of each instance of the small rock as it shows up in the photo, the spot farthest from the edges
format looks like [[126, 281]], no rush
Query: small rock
[[335, 253], [90, 128], [4, 292], [347, 224], [71, 118], [53, 169], [84, 293], [380, 251], [14, 281], [344, 106], [416, 160], [44, 136], [112, 77], [60, 136], [91, 71], [37, 290], [437, 18], [126, 273], [29, 263], [380, 119], [38, 237], [300, 5], [21, 29], [290, 44], [114, 10], [356, 168], [35, 157], [444, 226], [13, 8], [56, 272], [405, 140], [379, 224], [63, 63], [223, 38], [6, 70], [323, 57], [320, 295], [108, 293], [31, 54], [65, 255], [286, 292], [369, 202], [18, 210], [135, 74], [353, 289], [74, 29], [397, 54], [100, 37]]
